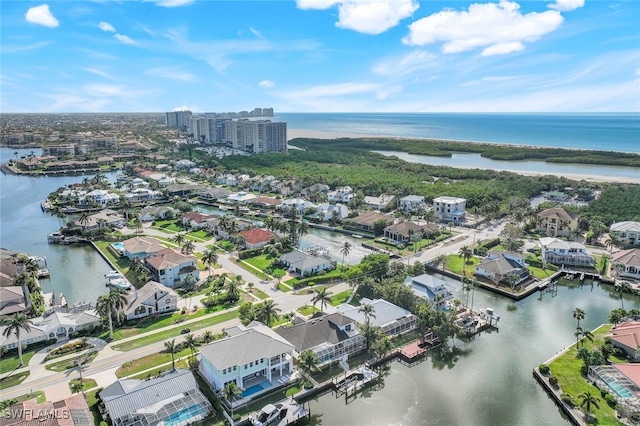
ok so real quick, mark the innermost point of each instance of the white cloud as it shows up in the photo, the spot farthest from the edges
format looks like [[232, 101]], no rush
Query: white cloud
[[566, 5], [366, 16], [99, 72], [266, 84], [334, 90], [255, 32], [186, 108], [41, 15], [404, 65], [498, 27], [125, 39], [4, 48], [172, 73], [173, 3], [106, 27]]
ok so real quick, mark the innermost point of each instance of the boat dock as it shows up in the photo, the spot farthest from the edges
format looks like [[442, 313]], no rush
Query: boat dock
[[354, 380]]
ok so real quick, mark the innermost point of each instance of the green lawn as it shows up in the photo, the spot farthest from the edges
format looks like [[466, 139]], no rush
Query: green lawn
[[261, 262], [92, 402], [167, 225], [163, 335], [86, 383], [566, 368], [38, 395], [121, 262], [540, 273], [259, 293], [308, 310], [255, 271], [334, 273], [71, 362], [341, 298], [454, 263], [284, 287], [14, 380], [180, 363], [147, 362], [11, 362], [199, 235]]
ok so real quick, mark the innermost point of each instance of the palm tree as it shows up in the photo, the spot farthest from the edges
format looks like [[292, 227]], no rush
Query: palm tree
[[323, 296], [188, 247], [345, 250], [209, 257], [308, 362], [76, 386], [178, 239], [110, 303], [171, 347], [466, 253], [233, 289], [368, 310], [267, 311], [230, 392], [84, 218], [587, 401], [14, 325], [578, 314], [207, 336], [191, 342]]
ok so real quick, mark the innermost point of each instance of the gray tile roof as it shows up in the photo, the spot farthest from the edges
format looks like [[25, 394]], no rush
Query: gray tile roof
[[316, 331], [385, 312], [137, 297], [242, 348]]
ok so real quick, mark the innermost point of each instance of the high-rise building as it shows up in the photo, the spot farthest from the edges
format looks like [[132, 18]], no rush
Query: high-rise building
[[199, 127], [177, 118], [276, 136]]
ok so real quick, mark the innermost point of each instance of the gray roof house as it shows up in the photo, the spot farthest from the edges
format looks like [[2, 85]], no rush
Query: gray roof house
[[307, 263], [254, 357], [499, 266], [434, 290], [167, 399], [152, 298], [392, 319], [330, 337]]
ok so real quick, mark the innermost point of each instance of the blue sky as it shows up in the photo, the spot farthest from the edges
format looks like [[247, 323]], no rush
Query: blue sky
[[320, 55]]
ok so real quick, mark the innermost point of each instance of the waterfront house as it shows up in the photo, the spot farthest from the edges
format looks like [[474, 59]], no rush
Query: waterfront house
[[325, 211], [342, 194], [153, 298], [255, 237], [366, 221], [626, 336], [392, 319], [197, 220], [213, 194], [265, 203], [171, 399], [412, 203], [329, 337], [105, 217], [70, 411], [432, 289], [561, 252], [14, 300], [182, 189], [501, 266], [628, 232], [139, 247], [450, 209], [556, 222], [151, 213], [100, 197], [298, 203], [169, 267], [241, 197], [402, 232], [255, 358], [626, 263], [162, 179], [315, 190], [307, 263], [138, 195], [381, 202]]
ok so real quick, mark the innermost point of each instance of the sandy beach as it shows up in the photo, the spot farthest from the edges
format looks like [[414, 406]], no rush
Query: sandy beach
[[317, 134]]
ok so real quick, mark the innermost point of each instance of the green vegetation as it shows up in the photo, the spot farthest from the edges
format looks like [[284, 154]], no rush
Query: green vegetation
[[154, 372], [148, 362], [68, 348], [261, 262], [308, 310], [71, 362], [38, 395], [13, 380], [259, 293], [456, 263], [92, 402], [11, 362], [163, 335], [340, 298], [86, 384]]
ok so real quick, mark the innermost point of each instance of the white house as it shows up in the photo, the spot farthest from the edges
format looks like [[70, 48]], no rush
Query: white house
[[450, 209], [300, 205], [151, 213], [185, 164], [197, 220], [626, 263], [379, 203], [325, 211], [142, 194], [412, 203], [342, 194], [241, 197], [433, 290], [101, 197], [304, 263], [392, 319], [250, 356], [152, 298], [561, 252], [627, 232], [169, 267], [139, 247]]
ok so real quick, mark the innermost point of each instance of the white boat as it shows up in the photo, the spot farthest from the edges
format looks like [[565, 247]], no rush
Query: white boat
[[267, 415], [120, 282], [112, 274]]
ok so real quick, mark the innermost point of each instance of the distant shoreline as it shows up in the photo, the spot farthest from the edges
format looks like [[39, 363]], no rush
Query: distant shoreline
[[316, 134]]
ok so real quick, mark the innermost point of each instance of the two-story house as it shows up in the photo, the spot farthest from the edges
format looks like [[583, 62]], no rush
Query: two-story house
[[626, 263], [556, 222], [379, 203], [499, 266], [152, 298], [169, 267], [450, 209], [432, 289], [628, 232], [342, 194], [412, 203], [561, 252]]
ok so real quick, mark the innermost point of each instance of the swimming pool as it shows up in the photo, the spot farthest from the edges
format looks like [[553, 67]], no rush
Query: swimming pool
[[118, 246], [185, 416], [619, 389], [256, 388]]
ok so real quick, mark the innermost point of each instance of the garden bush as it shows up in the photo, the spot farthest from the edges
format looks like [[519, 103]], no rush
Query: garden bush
[[544, 369], [567, 399]]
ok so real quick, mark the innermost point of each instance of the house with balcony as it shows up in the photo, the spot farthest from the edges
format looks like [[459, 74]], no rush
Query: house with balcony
[[556, 222], [325, 211], [138, 195], [329, 337], [298, 203], [502, 266], [139, 247], [568, 253], [342, 194], [171, 399], [392, 319], [169, 267], [100, 197], [412, 203], [381, 202], [628, 233], [431, 289], [153, 298], [626, 263], [255, 358], [450, 209], [403, 232], [197, 220]]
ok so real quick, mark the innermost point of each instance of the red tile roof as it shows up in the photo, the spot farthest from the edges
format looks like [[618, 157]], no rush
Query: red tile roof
[[256, 235]]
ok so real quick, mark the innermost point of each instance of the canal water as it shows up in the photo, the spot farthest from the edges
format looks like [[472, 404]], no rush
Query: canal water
[[76, 271], [489, 381]]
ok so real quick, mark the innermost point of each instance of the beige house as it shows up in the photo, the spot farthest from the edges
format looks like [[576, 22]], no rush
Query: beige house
[[152, 298], [557, 222], [626, 263]]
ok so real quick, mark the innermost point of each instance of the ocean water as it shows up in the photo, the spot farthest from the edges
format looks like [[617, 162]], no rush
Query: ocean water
[[604, 132]]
